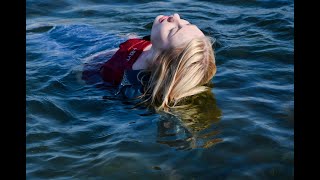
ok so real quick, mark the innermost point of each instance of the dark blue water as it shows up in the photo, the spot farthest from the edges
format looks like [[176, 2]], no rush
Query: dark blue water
[[243, 129]]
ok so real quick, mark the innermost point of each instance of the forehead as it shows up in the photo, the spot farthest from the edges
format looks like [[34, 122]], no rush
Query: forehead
[[185, 35]]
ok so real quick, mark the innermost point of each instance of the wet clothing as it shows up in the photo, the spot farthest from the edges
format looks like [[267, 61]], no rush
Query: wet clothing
[[117, 71], [113, 70], [130, 86]]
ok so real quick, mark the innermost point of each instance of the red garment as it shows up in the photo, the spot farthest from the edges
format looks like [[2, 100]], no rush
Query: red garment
[[112, 71]]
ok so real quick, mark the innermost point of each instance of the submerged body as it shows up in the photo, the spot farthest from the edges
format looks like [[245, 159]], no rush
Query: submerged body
[[178, 58], [124, 59]]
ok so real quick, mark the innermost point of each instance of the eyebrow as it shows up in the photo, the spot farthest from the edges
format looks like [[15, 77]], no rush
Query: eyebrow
[[181, 28]]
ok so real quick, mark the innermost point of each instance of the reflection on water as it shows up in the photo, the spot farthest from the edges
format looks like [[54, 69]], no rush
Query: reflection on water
[[190, 125], [78, 131]]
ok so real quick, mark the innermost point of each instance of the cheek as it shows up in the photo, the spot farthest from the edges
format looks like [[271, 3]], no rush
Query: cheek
[[178, 41]]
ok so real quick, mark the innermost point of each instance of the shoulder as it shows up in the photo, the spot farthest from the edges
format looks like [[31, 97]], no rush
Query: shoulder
[[100, 56], [135, 42]]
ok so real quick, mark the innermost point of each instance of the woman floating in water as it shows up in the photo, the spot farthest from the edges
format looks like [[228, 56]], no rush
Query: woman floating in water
[[176, 61]]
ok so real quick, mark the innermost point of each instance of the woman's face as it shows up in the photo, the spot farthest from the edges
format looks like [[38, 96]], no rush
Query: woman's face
[[171, 31]]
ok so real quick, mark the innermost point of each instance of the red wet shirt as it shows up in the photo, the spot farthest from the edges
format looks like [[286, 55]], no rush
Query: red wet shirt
[[112, 71]]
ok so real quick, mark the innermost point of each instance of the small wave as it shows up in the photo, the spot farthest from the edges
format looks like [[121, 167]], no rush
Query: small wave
[[39, 27]]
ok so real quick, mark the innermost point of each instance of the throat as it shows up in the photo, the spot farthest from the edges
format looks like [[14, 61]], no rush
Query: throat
[[144, 60]]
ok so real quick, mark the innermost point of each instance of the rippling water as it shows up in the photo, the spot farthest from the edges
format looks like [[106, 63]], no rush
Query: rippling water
[[243, 129]]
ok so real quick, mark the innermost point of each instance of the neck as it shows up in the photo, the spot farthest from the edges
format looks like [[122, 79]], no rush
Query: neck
[[149, 53]]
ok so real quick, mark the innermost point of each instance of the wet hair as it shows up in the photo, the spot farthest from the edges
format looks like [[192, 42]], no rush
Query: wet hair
[[177, 73]]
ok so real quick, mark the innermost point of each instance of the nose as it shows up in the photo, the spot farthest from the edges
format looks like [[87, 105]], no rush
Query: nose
[[174, 18], [176, 15]]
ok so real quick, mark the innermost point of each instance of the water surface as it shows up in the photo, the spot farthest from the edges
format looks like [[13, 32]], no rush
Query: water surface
[[243, 129]]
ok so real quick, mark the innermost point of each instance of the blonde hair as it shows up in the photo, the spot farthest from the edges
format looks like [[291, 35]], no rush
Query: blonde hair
[[180, 72]]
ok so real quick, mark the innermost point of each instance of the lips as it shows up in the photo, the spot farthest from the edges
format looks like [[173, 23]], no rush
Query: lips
[[163, 18]]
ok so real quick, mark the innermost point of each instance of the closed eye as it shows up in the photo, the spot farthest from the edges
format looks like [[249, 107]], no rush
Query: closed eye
[[173, 29]]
